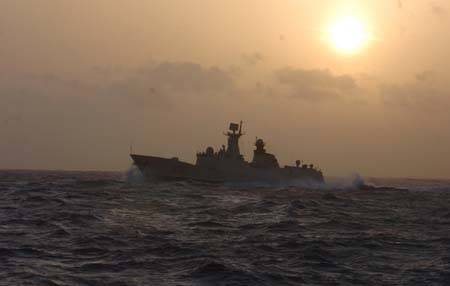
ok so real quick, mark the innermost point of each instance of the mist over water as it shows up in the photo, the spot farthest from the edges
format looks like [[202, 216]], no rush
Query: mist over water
[[90, 228]]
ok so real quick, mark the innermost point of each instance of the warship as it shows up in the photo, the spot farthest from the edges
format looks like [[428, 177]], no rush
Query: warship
[[228, 165]]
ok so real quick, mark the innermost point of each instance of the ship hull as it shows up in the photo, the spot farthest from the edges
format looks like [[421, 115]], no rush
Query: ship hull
[[223, 171]]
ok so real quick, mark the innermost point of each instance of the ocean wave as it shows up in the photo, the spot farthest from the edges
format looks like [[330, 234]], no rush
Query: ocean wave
[[84, 228]]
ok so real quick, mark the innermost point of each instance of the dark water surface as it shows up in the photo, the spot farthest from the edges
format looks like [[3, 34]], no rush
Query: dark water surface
[[72, 228]]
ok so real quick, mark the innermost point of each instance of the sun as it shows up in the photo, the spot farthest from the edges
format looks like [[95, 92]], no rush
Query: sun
[[348, 35]]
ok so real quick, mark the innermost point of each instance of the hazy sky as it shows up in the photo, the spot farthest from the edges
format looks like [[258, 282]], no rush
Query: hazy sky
[[81, 79]]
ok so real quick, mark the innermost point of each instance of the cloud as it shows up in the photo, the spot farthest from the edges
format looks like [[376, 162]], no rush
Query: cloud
[[12, 119], [108, 70], [235, 70], [418, 95], [314, 84], [425, 76], [159, 85], [185, 77], [438, 9], [152, 85], [252, 59]]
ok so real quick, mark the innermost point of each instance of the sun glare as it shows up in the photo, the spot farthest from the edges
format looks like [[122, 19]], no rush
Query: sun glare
[[348, 35]]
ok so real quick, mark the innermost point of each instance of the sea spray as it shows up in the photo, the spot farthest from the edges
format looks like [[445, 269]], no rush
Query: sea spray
[[134, 176]]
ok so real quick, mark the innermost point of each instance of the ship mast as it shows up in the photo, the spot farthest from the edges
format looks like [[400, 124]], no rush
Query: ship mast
[[233, 140]]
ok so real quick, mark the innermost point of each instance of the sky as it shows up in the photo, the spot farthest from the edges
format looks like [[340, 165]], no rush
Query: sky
[[81, 81]]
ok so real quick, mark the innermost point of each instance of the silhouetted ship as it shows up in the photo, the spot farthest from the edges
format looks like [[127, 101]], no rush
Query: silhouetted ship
[[228, 165]]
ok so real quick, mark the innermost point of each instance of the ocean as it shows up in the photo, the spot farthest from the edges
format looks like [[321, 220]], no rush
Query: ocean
[[99, 228]]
